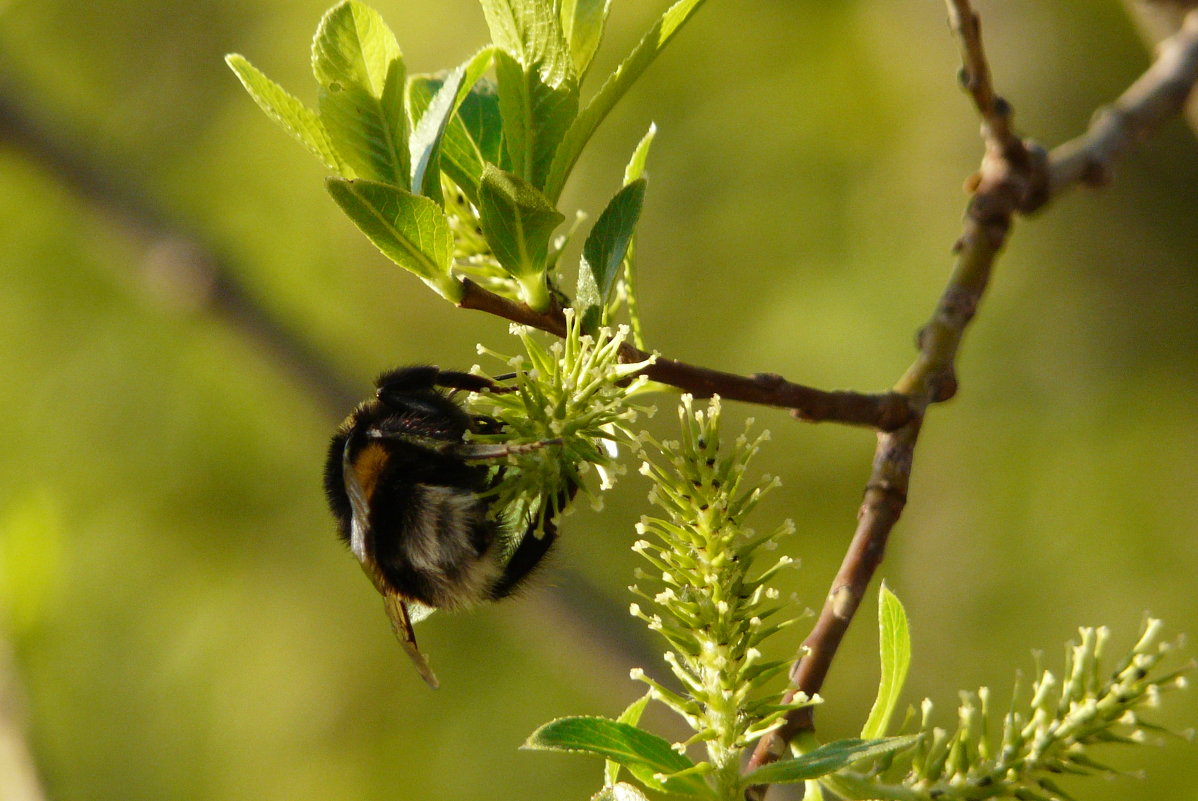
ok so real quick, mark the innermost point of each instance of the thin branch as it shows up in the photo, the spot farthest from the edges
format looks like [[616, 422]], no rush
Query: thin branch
[[19, 780], [182, 265], [1158, 95], [1016, 176], [885, 412], [975, 75], [1158, 20]]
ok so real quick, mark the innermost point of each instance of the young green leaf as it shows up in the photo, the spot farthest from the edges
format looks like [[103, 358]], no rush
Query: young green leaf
[[360, 69], [536, 115], [826, 759], [894, 645], [531, 32], [538, 90], [582, 28], [354, 45], [613, 89], [632, 716], [648, 757], [299, 120], [482, 122], [474, 135], [634, 170], [640, 155], [518, 222], [426, 142], [409, 229], [604, 250]]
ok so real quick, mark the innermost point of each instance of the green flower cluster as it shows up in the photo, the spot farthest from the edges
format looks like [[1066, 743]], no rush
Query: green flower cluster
[[713, 604], [573, 403], [1053, 737]]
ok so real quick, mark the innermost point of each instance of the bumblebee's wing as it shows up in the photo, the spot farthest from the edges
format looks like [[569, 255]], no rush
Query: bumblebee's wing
[[401, 624], [359, 542], [360, 534]]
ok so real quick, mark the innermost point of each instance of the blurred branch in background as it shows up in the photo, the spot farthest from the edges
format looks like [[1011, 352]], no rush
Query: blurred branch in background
[[1015, 177], [182, 266], [1158, 20], [185, 268], [884, 411], [18, 775], [1159, 94]]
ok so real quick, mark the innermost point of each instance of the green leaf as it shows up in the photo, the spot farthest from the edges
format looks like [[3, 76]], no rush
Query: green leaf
[[636, 164], [634, 170], [518, 222], [409, 229], [538, 90], [613, 89], [894, 645], [582, 28], [531, 32], [481, 121], [473, 136], [645, 755], [604, 250], [826, 759], [619, 792], [632, 716], [354, 45], [360, 69], [426, 142], [299, 120], [536, 115]]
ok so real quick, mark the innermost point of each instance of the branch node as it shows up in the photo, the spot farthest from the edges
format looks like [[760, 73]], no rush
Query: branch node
[[768, 380], [944, 386], [966, 79]]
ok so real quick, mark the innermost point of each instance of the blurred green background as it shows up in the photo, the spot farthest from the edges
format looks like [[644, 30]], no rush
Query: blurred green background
[[181, 620]]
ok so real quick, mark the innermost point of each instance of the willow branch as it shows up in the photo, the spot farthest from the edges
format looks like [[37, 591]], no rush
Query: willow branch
[[1159, 94], [1016, 176], [1158, 20], [885, 411]]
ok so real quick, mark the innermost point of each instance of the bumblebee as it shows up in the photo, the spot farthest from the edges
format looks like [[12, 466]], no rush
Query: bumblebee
[[410, 496]]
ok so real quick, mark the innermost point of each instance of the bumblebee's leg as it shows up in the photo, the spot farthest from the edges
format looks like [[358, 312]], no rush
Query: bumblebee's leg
[[530, 551], [527, 556], [406, 380], [468, 381]]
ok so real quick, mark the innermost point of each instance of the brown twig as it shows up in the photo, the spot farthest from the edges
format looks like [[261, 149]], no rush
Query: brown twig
[[1158, 20], [885, 411], [1016, 176], [1158, 95]]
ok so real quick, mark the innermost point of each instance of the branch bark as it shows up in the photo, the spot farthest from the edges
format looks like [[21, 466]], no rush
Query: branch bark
[[1158, 20], [1158, 95], [1016, 176], [885, 411]]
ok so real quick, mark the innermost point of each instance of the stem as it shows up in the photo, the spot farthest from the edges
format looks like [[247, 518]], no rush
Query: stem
[[1158, 95], [886, 411]]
